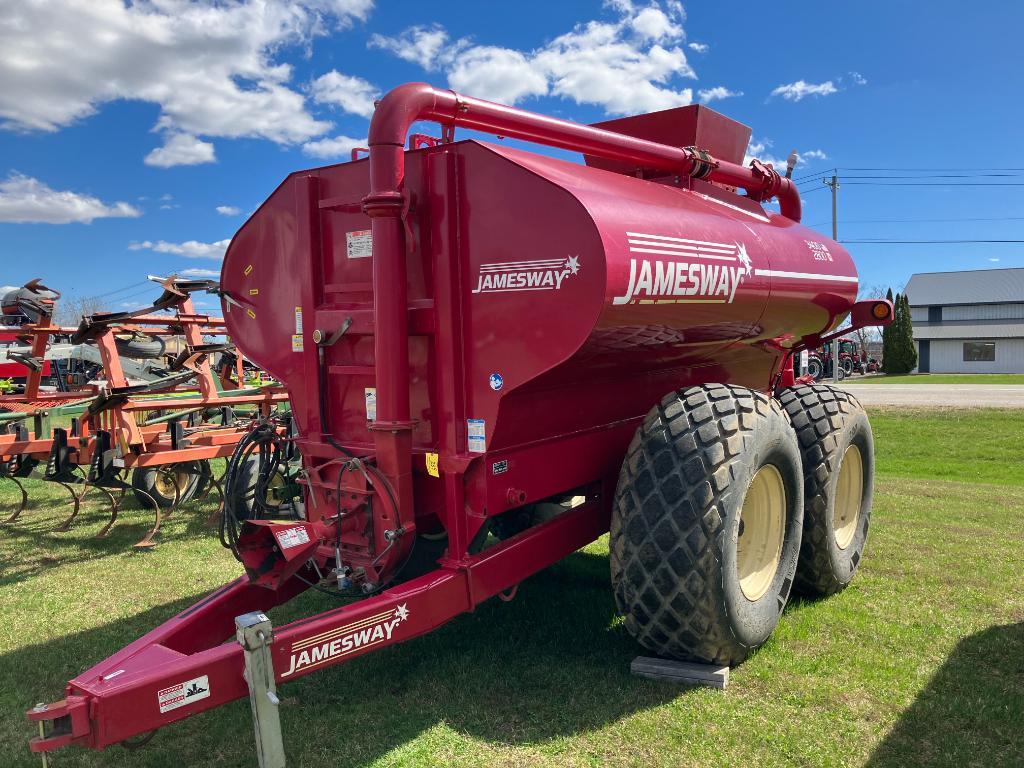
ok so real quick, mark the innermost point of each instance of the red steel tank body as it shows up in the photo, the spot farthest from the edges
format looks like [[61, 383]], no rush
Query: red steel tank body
[[547, 300]]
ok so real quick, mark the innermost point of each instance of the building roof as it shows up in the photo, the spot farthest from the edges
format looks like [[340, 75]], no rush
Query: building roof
[[1011, 330], [974, 286]]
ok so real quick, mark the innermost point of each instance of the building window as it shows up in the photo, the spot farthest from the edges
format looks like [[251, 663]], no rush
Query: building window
[[934, 314], [979, 351]]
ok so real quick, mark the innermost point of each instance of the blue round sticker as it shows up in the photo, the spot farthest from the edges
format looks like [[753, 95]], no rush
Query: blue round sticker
[[496, 381]]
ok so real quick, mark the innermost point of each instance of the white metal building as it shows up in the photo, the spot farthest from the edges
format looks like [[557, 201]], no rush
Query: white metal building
[[968, 322]]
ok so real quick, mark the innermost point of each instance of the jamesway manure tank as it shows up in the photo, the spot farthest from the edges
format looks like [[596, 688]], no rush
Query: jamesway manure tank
[[494, 356]]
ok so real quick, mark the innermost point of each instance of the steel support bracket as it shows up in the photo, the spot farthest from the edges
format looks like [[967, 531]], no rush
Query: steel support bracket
[[255, 635]]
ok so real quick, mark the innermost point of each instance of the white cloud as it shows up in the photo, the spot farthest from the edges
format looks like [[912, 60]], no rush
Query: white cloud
[[599, 63], [228, 210], [210, 65], [181, 149], [352, 94], [420, 45], [195, 272], [498, 74], [812, 154], [716, 93], [699, 47], [801, 90], [24, 199], [993, 259], [191, 249], [654, 24], [627, 65], [858, 78], [337, 148]]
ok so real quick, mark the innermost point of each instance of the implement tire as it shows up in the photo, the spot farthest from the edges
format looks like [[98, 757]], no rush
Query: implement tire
[[706, 524], [838, 453], [159, 483]]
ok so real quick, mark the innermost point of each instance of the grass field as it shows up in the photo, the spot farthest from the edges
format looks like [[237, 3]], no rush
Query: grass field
[[941, 378], [919, 663]]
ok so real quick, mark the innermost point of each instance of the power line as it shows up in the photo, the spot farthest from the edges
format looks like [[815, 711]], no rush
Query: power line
[[118, 290], [921, 221], [882, 241], [909, 170], [933, 183]]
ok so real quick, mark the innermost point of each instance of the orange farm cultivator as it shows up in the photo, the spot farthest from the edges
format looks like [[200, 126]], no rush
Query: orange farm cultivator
[[155, 437]]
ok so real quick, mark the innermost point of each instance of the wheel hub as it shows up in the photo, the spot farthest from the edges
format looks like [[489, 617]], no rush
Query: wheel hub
[[172, 481], [849, 495], [761, 531]]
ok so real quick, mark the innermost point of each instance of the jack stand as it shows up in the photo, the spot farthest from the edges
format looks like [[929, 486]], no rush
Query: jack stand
[[255, 635]]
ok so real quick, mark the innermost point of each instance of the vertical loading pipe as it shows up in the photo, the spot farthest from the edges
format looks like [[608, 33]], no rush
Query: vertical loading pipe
[[385, 205]]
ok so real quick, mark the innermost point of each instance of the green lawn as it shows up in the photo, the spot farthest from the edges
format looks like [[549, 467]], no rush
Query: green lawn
[[940, 378], [919, 663]]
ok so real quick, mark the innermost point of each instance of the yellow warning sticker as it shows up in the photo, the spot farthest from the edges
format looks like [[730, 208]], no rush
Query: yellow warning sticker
[[432, 468], [297, 343]]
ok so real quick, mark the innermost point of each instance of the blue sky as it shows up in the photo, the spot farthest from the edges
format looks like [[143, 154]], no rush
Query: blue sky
[[126, 127]]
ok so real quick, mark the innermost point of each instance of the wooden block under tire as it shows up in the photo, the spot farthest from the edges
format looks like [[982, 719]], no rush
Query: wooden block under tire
[[682, 672]]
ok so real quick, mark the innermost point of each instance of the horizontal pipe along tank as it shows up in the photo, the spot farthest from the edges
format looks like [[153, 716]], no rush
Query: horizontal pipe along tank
[[547, 301]]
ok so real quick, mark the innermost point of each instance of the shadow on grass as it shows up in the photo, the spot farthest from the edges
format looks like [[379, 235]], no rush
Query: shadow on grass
[[970, 713], [48, 547], [550, 664]]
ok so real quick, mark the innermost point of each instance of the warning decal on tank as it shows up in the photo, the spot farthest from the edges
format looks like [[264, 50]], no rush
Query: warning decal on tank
[[702, 272], [359, 244], [536, 275]]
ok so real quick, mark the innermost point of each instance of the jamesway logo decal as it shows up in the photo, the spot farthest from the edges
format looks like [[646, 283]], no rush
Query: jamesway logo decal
[[335, 643], [183, 693], [710, 274], [537, 275]]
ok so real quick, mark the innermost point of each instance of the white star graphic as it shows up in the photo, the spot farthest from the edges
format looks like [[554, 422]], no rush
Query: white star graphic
[[572, 263], [741, 253], [401, 612]]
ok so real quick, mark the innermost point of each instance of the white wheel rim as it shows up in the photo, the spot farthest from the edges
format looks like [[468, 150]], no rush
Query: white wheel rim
[[849, 495], [761, 532]]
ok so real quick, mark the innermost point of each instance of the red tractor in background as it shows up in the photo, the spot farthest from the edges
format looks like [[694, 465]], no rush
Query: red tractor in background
[[493, 358], [851, 361]]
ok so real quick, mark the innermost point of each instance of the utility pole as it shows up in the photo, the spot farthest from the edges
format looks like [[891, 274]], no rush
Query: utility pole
[[834, 186]]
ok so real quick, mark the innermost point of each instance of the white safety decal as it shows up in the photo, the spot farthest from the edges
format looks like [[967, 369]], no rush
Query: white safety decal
[[293, 537], [701, 272], [359, 244], [370, 393], [476, 435], [537, 275], [183, 693]]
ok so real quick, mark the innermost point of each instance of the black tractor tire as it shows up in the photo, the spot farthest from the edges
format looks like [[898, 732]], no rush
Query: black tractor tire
[[141, 346], [847, 366], [828, 423], [676, 523], [158, 484], [815, 367]]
